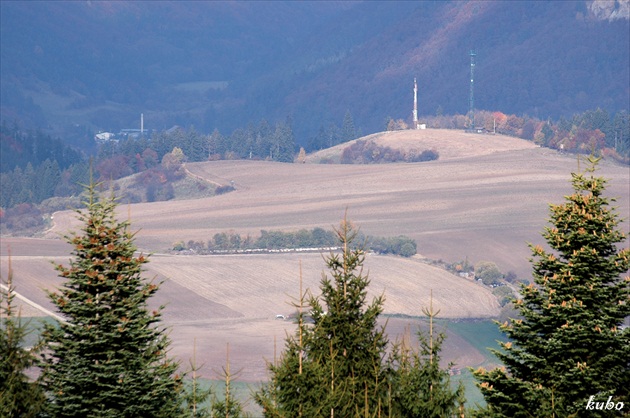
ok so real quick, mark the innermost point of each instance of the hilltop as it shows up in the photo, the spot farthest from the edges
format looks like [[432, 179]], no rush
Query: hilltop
[[449, 144]]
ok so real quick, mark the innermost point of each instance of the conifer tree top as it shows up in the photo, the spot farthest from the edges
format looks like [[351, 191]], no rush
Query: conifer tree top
[[109, 356], [569, 343]]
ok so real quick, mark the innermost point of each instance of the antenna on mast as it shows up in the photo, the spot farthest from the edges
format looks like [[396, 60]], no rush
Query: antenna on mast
[[471, 100], [416, 122]]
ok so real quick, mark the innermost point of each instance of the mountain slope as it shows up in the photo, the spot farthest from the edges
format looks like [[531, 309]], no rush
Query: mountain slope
[[224, 64]]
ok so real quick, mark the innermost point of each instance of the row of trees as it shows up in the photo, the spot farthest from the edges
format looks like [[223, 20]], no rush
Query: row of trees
[[315, 238], [369, 152], [567, 353], [258, 141], [591, 131], [34, 184]]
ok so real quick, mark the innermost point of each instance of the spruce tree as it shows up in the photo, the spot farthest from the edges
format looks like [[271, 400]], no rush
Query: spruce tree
[[109, 358], [348, 133], [569, 344], [19, 396], [420, 387], [229, 406], [195, 397], [334, 367]]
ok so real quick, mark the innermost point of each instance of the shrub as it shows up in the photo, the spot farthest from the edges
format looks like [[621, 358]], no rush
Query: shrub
[[488, 272], [223, 189], [24, 216], [369, 152], [408, 249], [400, 245], [504, 295], [511, 277], [427, 155]]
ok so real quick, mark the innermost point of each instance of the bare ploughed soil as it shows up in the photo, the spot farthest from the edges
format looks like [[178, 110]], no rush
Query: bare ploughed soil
[[484, 199]]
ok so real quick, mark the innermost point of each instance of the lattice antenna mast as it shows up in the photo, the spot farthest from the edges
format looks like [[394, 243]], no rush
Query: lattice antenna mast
[[471, 101]]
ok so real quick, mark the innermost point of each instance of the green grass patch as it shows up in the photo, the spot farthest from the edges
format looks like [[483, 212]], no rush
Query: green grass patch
[[239, 390], [34, 327], [481, 334]]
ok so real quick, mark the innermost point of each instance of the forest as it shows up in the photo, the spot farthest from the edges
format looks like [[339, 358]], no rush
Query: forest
[[222, 64]]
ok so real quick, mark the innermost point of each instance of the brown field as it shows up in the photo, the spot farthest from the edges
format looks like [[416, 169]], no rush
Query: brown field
[[484, 199], [219, 299], [450, 144]]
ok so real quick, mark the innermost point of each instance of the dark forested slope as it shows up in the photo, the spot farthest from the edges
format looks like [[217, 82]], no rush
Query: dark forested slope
[[223, 64]]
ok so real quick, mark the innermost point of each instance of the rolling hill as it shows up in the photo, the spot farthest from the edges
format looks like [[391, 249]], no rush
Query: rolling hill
[[476, 203], [494, 194], [449, 144]]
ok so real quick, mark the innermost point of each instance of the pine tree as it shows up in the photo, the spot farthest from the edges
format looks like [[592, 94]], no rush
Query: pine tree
[[229, 406], [569, 344], [19, 397], [283, 142], [295, 387], [336, 366], [348, 133], [109, 358], [196, 397], [420, 387]]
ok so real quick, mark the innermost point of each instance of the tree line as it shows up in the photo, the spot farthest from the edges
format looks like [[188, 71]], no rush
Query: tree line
[[224, 242], [369, 152], [35, 167], [565, 354], [594, 131]]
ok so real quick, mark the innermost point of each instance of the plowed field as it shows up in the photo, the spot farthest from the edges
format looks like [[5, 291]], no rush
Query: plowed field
[[484, 199]]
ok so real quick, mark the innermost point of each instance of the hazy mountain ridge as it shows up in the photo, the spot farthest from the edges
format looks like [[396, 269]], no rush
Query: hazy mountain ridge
[[222, 65]]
